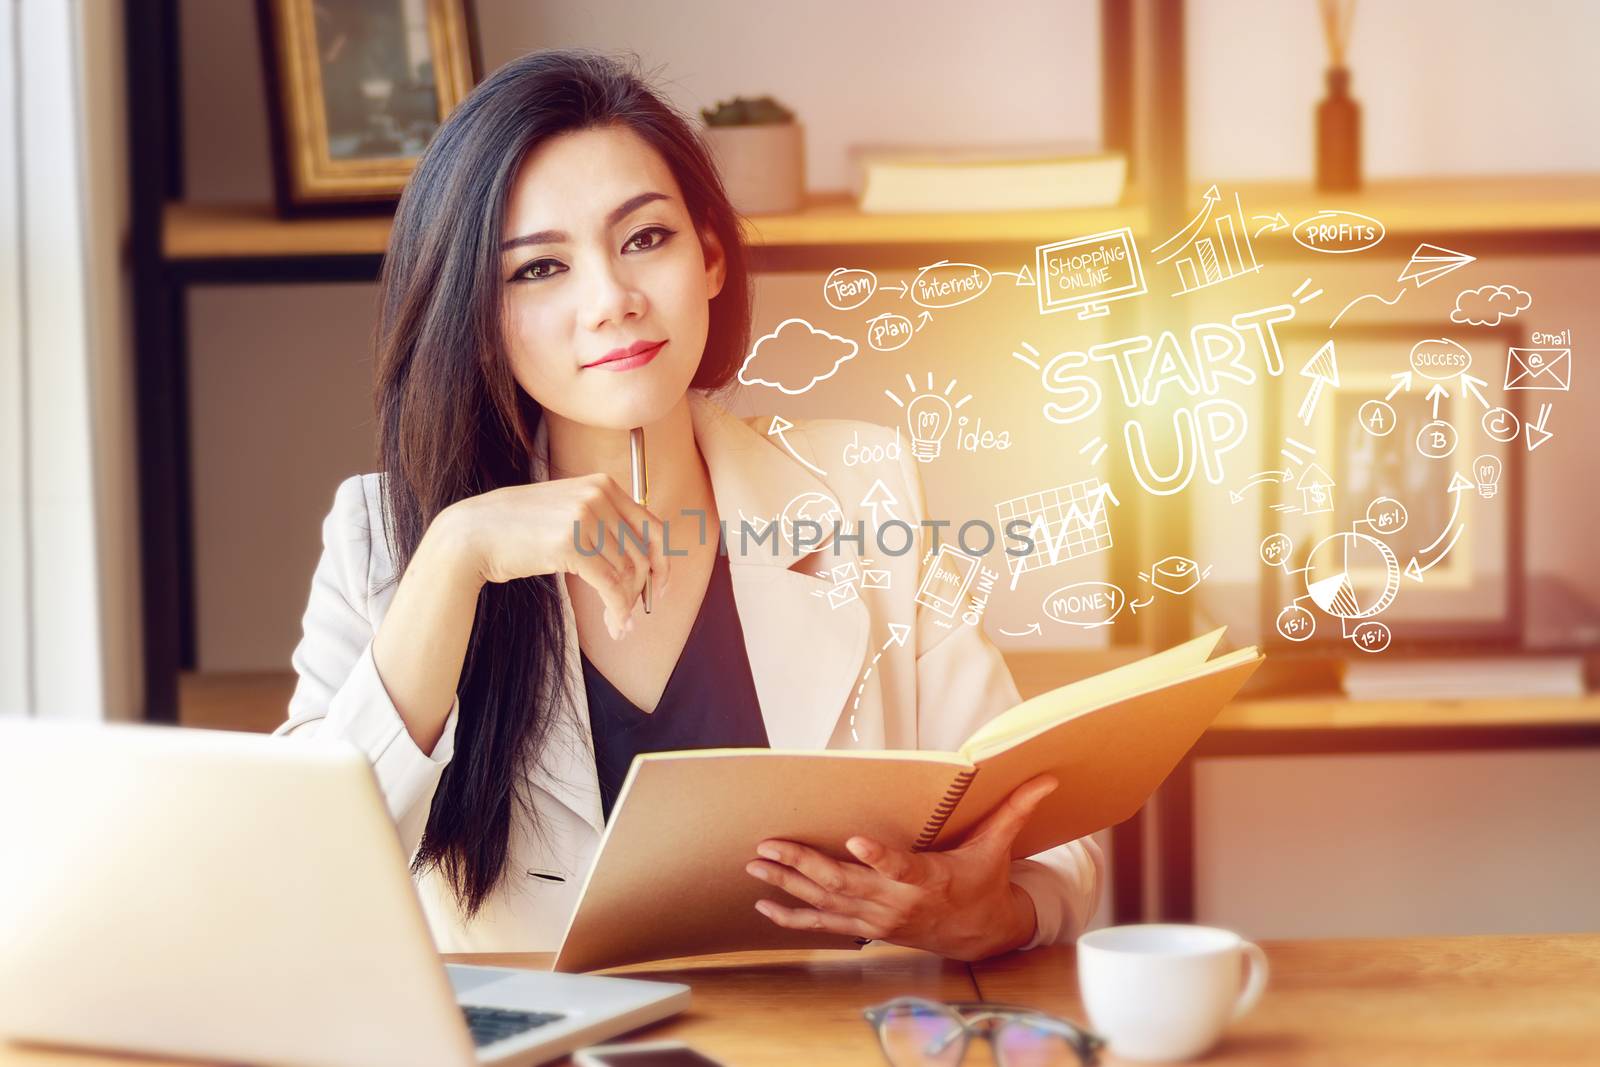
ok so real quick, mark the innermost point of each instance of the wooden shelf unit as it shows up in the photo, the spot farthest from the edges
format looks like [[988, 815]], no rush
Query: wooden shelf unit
[[1554, 206]]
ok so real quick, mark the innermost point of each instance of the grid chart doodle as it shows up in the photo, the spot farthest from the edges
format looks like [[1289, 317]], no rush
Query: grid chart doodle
[[1066, 522]]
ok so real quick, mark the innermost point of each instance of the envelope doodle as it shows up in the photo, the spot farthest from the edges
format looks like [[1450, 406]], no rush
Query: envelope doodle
[[1539, 368]]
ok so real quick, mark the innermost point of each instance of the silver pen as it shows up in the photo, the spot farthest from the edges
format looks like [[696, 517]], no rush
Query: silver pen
[[641, 494]]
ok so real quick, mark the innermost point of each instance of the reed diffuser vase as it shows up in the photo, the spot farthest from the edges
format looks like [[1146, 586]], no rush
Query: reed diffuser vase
[[1338, 115], [1338, 136]]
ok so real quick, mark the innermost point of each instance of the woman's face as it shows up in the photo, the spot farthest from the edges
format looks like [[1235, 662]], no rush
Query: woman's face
[[600, 255]]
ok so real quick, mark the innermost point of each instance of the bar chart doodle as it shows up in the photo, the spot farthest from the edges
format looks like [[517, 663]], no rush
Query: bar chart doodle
[[1217, 243]]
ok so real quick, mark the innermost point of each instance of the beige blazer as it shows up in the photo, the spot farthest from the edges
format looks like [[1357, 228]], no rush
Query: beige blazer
[[825, 671]]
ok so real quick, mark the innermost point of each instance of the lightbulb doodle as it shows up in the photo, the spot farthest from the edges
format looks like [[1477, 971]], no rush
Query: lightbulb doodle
[[928, 416], [1487, 470]]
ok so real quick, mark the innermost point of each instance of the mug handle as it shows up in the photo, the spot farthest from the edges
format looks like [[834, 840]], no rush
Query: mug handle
[[1256, 983]]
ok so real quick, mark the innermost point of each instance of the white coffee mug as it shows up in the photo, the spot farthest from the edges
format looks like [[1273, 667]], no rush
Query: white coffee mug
[[1166, 991]]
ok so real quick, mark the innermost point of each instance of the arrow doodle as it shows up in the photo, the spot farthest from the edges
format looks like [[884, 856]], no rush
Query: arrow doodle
[[1401, 380], [1180, 240], [1275, 223], [1024, 276], [781, 424], [880, 496], [1323, 369], [1033, 629], [898, 631], [1415, 569], [1262, 478], [1437, 393], [1537, 434]]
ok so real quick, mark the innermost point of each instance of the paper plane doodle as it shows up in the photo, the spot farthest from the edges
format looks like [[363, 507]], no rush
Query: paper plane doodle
[[1429, 263]]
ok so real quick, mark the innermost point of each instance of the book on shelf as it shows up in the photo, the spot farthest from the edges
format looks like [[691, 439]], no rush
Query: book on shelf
[[1041, 176]]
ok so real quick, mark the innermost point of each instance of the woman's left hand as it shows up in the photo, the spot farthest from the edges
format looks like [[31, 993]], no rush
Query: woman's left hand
[[960, 902]]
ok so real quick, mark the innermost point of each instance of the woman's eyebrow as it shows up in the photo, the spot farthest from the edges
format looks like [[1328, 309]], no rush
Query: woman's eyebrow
[[623, 210]]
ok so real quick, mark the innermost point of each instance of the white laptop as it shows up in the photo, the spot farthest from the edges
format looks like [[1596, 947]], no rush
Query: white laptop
[[235, 897]]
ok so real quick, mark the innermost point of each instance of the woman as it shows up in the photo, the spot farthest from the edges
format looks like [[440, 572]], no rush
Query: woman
[[564, 266]]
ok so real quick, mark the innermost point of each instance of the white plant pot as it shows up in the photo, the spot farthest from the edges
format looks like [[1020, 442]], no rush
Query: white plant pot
[[763, 167]]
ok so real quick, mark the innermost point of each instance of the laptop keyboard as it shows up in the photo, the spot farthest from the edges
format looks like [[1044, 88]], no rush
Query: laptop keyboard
[[489, 1025]]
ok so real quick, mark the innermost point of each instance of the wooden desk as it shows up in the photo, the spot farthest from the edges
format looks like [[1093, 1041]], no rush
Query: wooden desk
[[1463, 1001], [1527, 1001]]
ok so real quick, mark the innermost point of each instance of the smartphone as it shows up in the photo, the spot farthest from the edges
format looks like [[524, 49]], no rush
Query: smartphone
[[643, 1054]]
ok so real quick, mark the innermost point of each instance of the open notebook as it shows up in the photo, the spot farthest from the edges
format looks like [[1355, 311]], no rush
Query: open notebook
[[669, 877]]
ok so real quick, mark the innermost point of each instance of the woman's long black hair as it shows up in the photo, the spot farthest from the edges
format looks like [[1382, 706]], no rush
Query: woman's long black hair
[[454, 423]]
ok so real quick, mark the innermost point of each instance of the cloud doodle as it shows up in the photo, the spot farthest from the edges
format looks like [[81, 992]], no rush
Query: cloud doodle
[[1488, 304], [796, 356]]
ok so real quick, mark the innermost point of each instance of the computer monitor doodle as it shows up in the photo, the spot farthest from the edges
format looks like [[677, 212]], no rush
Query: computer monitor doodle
[[1087, 273]]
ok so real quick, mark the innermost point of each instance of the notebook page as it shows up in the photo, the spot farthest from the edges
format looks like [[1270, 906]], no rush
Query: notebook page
[[1092, 692]]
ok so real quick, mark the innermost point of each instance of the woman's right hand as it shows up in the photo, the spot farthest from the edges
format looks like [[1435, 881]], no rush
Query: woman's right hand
[[519, 531]]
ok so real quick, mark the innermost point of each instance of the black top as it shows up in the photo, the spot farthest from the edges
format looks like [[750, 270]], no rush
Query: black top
[[709, 700]]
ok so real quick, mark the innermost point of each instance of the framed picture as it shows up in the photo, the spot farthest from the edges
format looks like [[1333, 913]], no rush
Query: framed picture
[[356, 88], [1403, 509]]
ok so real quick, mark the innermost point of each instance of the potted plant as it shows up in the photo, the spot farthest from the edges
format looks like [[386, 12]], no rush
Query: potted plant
[[760, 149]]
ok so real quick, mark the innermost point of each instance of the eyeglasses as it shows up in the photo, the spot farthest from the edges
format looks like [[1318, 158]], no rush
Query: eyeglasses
[[915, 1032]]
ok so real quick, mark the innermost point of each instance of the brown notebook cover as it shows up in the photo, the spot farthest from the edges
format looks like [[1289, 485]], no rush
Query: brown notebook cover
[[669, 877]]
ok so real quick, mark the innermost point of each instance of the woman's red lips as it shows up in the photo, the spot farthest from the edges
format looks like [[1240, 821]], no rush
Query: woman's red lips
[[635, 355]]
